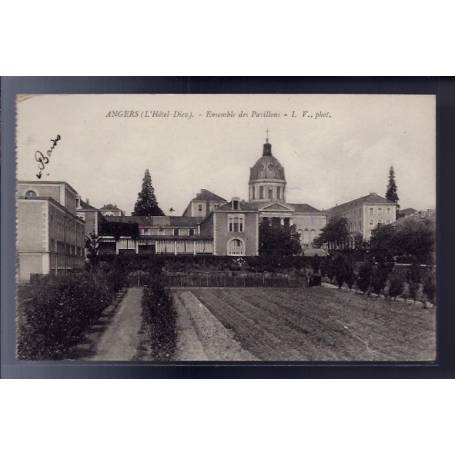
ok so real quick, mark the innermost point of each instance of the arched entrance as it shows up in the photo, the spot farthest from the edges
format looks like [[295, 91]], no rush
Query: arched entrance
[[236, 247]]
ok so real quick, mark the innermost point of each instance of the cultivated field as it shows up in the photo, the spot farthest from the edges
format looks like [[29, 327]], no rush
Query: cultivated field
[[312, 324]]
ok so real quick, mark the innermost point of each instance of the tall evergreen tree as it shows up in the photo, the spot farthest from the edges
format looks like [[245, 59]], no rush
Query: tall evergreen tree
[[146, 204], [391, 193]]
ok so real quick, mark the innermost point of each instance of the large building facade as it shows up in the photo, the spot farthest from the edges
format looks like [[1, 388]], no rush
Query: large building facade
[[365, 214], [53, 221], [50, 235]]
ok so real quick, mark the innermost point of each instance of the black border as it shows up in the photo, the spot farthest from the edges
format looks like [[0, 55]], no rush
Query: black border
[[443, 87]]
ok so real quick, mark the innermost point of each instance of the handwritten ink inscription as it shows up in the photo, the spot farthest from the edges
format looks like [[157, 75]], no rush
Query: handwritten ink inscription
[[43, 160]]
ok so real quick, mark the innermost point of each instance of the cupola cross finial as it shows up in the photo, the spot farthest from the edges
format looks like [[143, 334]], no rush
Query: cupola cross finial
[[267, 131]]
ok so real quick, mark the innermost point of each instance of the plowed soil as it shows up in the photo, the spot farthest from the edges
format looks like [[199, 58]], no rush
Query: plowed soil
[[312, 324]]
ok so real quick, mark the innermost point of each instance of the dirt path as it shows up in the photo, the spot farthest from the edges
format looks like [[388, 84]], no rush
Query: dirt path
[[121, 338], [201, 336]]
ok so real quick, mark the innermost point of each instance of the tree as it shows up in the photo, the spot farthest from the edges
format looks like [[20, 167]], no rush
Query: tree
[[146, 204], [336, 230], [396, 286], [278, 241], [364, 277], [383, 244], [416, 237], [391, 193], [429, 288], [379, 278], [92, 245]]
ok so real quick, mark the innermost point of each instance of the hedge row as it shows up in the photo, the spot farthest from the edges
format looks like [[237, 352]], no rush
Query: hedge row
[[58, 311], [383, 278], [180, 263], [159, 318]]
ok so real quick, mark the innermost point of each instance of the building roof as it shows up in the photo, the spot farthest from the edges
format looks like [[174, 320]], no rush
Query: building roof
[[305, 208], [48, 182], [206, 195], [169, 221], [86, 206], [409, 211], [243, 206], [371, 198], [267, 166], [109, 207]]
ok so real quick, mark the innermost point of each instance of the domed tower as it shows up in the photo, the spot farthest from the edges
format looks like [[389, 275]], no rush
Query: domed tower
[[267, 181]]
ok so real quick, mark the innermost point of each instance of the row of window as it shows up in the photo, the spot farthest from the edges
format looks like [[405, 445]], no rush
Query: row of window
[[161, 231], [236, 223], [262, 190]]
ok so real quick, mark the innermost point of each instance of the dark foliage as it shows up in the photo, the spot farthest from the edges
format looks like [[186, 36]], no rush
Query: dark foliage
[[160, 318], [408, 239], [379, 278], [336, 230], [118, 229], [391, 192], [414, 287], [189, 263], [364, 277], [278, 241], [146, 204], [59, 310], [429, 288], [396, 286]]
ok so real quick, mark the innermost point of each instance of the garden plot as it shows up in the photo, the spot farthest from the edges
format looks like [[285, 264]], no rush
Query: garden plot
[[313, 324]]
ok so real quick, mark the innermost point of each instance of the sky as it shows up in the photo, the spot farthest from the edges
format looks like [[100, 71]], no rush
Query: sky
[[107, 142]]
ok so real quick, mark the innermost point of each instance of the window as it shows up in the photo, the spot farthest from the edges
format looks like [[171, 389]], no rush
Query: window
[[236, 247], [199, 207], [278, 193], [30, 193], [261, 192], [235, 204], [253, 193], [176, 232], [191, 232], [388, 209], [270, 193], [236, 223], [371, 210]]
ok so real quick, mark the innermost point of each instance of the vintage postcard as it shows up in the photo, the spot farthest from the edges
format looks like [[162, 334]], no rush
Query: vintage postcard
[[238, 228]]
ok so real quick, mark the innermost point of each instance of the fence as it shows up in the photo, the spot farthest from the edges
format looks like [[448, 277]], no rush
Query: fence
[[226, 279]]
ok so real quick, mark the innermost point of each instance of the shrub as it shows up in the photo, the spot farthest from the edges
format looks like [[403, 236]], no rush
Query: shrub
[[379, 278], [429, 288], [59, 310], [396, 286], [159, 318], [364, 277], [340, 267], [413, 290]]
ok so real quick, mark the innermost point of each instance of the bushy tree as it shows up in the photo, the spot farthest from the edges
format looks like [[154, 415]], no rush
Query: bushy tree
[[409, 237], [364, 277], [383, 242], [429, 288], [413, 289], [92, 245], [278, 241], [336, 230], [391, 192], [146, 204], [340, 266], [396, 286], [379, 278], [350, 274], [416, 237]]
